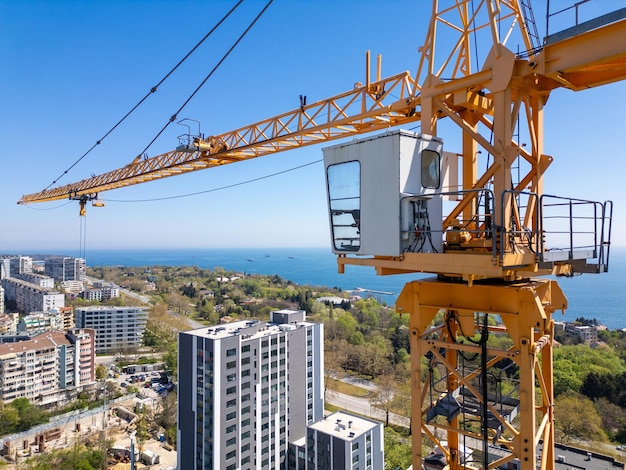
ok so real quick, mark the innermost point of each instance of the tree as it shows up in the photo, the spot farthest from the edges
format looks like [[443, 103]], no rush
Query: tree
[[101, 372], [170, 359], [141, 426], [382, 396], [613, 417], [402, 402], [29, 415], [9, 419], [166, 416], [576, 420], [397, 450]]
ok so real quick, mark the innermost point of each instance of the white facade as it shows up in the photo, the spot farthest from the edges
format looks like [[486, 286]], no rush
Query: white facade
[[39, 322], [30, 297], [11, 266], [246, 389], [73, 287], [103, 292], [65, 268], [117, 328], [45, 368], [37, 279], [343, 441]]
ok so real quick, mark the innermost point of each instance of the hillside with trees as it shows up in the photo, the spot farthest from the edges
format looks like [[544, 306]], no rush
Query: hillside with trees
[[366, 338]]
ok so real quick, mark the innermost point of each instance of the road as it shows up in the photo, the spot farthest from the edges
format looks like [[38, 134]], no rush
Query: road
[[362, 406]]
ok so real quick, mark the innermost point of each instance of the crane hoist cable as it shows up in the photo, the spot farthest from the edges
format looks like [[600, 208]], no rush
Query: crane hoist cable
[[175, 115], [150, 92]]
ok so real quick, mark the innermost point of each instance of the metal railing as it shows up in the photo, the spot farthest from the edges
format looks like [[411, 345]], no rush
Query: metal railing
[[575, 229]]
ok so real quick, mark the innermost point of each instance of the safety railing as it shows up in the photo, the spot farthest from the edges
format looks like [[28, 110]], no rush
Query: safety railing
[[575, 229]]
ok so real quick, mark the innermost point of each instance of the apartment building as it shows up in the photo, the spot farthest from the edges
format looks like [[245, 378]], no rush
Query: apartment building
[[66, 268], [72, 287], [11, 266], [8, 322], [1, 300], [31, 297], [246, 389], [49, 369], [38, 322], [36, 279], [117, 328], [342, 441], [101, 291], [67, 314]]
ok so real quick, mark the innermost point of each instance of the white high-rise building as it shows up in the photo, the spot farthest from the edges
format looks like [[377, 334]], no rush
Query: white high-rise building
[[29, 297], [246, 390], [65, 268], [117, 328], [11, 266]]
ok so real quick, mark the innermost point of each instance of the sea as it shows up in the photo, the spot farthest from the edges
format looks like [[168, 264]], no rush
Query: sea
[[592, 296]]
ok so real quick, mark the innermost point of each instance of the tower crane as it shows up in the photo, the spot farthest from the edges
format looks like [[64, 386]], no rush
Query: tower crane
[[400, 204]]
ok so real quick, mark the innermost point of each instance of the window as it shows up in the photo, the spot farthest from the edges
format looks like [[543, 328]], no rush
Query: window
[[231, 352], [231, 378], [245, 373], [231, 415], [231, 454], [245, 348], [245, 385], [231, 390], [230, 403], [231, 442], [245, 360], [344, 198], [231, 365], [231, 428], [431, 165]]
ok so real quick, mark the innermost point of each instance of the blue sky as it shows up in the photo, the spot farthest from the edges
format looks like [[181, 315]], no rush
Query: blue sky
[[72, 69]]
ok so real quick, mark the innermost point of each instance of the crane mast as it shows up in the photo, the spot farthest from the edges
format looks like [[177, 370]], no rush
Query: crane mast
[[494, 232]]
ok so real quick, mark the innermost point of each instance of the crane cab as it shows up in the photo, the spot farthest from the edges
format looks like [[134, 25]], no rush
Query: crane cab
[[384, 194]]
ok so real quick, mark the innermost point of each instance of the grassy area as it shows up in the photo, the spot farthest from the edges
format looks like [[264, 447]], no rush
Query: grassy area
[[342, 387]]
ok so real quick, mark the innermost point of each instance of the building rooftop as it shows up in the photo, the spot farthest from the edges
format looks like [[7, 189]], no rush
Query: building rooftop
[[95, 308], [344, 425], [45, 340], [251, 329]]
